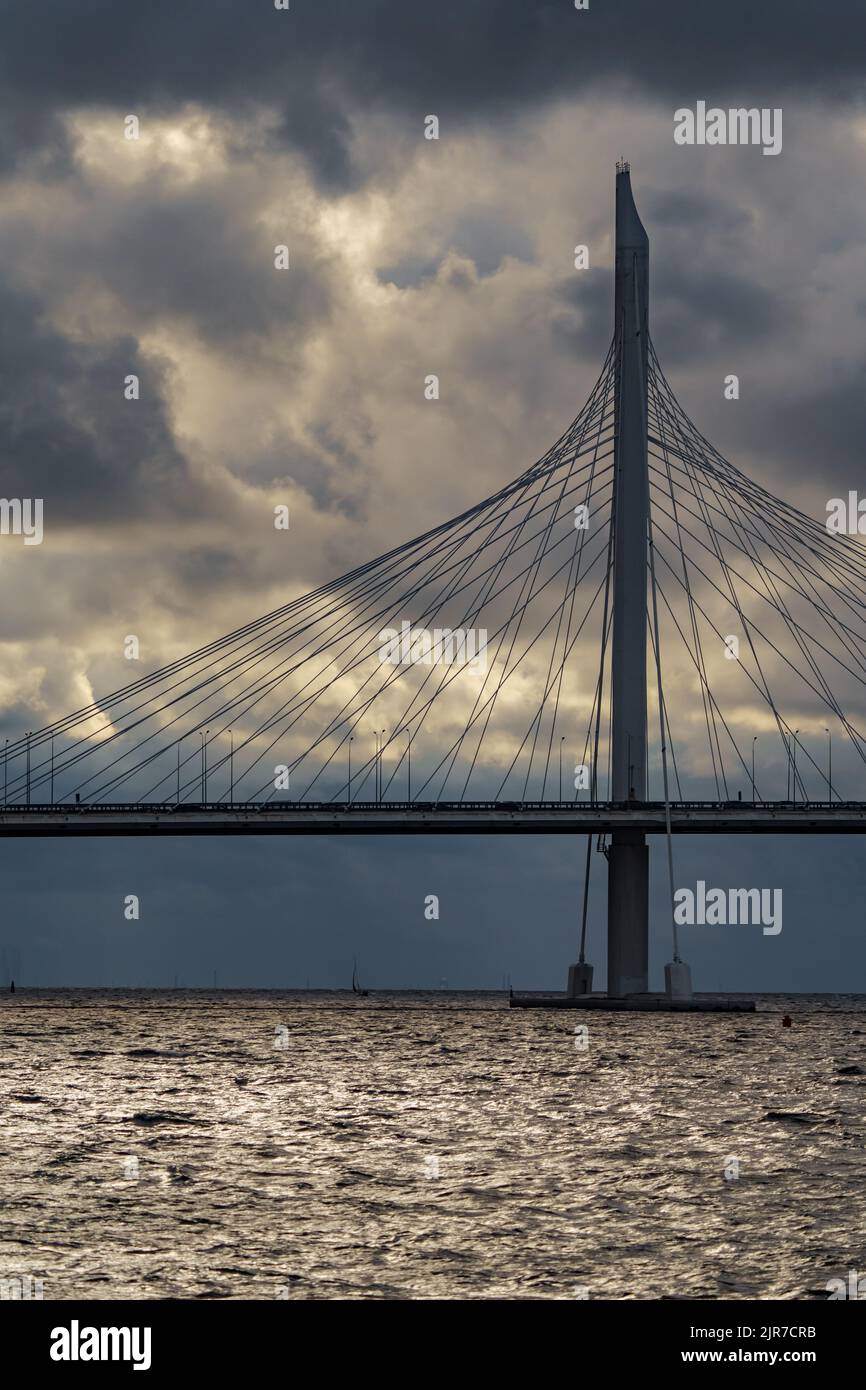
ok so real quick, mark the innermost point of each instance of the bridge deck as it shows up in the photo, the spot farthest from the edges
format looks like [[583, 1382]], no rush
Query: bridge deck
[[444, 818]]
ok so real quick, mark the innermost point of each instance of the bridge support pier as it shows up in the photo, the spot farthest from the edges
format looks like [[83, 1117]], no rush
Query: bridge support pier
[[627, 914]]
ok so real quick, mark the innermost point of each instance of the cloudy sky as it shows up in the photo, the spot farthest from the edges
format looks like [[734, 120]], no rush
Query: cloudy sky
[[409, 256]]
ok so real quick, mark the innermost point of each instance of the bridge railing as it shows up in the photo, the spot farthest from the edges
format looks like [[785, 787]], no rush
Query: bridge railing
[[343, 807]]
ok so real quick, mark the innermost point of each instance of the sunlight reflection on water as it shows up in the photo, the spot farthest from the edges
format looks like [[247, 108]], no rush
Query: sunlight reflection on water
[[261, 1145]]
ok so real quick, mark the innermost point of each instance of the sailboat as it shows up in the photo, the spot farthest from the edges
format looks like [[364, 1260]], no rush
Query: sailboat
[[356, 988]]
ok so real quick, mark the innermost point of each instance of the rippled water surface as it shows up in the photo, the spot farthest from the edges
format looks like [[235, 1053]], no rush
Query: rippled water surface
[[253, 1145]]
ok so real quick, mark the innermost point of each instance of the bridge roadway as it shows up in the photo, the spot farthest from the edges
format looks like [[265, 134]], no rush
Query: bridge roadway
[[442, 818]]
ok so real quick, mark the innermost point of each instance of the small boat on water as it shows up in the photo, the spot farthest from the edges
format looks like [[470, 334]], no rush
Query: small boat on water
[[356, 988]]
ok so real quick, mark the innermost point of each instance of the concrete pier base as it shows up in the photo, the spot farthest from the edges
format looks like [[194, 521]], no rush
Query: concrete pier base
[[636, 1003], [678, 980], [579, 980]]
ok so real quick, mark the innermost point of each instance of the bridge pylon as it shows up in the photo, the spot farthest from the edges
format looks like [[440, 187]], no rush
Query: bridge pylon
[[628, 857]]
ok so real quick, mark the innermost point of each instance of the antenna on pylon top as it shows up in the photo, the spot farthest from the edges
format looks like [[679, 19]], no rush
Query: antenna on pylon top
[[622, 165]]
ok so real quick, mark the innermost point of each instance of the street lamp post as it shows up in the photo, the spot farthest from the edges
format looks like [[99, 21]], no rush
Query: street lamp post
[[409, 777], [204, 737], [754, 793], [351, 741], [829, 764], [52, 769], [231, 766], [796, 731], [180, 741], [28, 769], [561, 742]]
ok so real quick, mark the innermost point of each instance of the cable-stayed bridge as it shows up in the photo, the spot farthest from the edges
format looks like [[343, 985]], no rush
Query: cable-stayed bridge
[[600, 647]]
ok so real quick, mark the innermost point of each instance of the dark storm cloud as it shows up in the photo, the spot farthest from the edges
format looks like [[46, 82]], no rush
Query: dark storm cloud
[[584, 327], [698, 312], [198, 258], [819, 431], [323, 60], [319, 471], [483, 236], [486, 238], [67, 434], [33, 138], [169, 252], [207, 568], [685, 212], [703, 300], [410, 272]]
